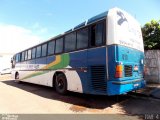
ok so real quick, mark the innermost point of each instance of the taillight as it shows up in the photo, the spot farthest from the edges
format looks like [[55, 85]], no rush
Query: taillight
[[119, 71]]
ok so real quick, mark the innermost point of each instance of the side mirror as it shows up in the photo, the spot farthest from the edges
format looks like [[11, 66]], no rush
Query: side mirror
[[11, 61]]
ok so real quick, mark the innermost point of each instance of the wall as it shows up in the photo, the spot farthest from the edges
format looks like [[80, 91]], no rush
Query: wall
[[152, 66]]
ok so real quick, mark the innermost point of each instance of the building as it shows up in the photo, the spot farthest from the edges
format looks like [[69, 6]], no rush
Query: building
[[5, 60]]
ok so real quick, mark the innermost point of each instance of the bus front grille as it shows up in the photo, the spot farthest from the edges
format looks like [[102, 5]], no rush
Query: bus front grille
[[98, 78], [128, 70]]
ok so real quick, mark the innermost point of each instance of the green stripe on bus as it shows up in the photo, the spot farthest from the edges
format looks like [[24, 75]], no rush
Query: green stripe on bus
[[63, 63]]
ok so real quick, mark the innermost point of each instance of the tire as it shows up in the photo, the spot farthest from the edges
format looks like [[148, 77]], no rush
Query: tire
[[61, 84], [17, 76]]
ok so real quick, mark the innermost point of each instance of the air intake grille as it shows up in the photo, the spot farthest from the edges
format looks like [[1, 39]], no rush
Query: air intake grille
[[98, 78], [128, 70]]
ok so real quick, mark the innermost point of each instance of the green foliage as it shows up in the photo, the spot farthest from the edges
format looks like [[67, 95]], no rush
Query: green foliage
[[151, 35]]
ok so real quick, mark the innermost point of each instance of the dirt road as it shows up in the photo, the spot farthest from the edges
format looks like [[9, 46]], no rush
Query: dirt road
[[29, 98]]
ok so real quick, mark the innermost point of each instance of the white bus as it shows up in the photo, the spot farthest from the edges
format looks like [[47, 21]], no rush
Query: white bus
[[103, 55]]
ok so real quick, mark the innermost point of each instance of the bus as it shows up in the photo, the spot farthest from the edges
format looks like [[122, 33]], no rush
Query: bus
[[103, 55]]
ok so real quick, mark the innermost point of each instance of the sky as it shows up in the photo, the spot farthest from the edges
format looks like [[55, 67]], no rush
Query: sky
[[24, 23]]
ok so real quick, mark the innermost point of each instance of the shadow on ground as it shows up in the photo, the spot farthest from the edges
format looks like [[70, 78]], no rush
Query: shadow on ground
[[84, 100], [130, 105]]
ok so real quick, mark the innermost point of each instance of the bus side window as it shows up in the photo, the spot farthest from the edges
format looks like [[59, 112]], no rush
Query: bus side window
[[97, 34], [38, 52], [70, 42], [26, 54], [44, 50], [82, 38], [51, 47], [29, 54], [33, 53], [59, 45], [23, 55], [17, 58]]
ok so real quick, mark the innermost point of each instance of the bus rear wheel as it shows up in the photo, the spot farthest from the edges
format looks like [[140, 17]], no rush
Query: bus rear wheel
[[61, 84]]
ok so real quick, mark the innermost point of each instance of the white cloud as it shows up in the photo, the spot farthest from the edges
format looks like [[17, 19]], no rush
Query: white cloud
[[43, 30], [15, 38], [39, 29]]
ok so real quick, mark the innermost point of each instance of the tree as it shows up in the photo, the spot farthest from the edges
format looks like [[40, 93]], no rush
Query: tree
[[151, 35]]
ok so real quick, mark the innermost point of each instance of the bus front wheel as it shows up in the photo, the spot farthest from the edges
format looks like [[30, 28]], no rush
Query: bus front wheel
[[17, 75], [61, 84]]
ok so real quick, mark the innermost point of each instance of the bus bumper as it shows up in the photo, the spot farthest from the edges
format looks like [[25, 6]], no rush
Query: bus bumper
[[122, 87]]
